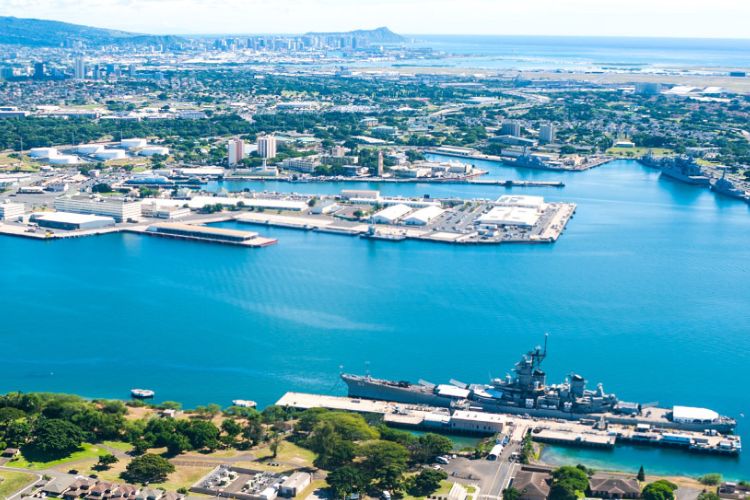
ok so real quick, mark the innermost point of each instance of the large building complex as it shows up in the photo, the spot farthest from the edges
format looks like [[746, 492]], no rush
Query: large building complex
[[10, 211], [120, 209]]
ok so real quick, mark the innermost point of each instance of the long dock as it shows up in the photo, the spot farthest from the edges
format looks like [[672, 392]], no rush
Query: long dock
[[601, 434]]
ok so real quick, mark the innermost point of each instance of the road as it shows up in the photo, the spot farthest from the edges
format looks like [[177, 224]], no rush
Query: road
[[490, 476]]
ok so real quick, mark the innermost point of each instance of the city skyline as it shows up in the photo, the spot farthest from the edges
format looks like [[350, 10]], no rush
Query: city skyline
[[638, 18]]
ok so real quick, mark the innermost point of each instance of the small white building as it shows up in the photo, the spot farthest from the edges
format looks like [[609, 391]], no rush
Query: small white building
[[295, 484], [475, 421], [391, 214], [11, 212]]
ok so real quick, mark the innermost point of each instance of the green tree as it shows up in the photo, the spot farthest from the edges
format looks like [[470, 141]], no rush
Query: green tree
[[106, 461], [659, 490], [708, 495], [429, 446], [426, 482], [511, 493], [56, 437], [384, 461], [641, 474], [203, 434], [231, 428], [148, 468], [346, 480], [711, 479], [568, 482]]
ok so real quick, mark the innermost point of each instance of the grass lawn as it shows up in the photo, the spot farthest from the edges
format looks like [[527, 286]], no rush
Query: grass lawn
[[183, 477], [11, 482], [317, 484], [445, 487], [87, 451], [119, 445], [628, 152], [288, 452]]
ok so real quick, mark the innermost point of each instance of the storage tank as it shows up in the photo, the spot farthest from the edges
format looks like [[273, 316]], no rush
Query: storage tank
[[43, 152], [111, 154], [64, 160], [89, 149], [133, 143], [154, 150]]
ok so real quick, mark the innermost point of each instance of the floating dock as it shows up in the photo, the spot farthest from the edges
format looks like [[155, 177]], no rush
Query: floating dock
[[207, 234]]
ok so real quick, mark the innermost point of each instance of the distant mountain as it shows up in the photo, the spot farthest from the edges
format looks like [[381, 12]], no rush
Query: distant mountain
[[378, 35], [43, 33]]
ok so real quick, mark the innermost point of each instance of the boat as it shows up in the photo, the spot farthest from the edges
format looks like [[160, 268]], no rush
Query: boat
[[726, 187], [373, 234], [680, 168], [526, 393], [244, 403], [142, 393]]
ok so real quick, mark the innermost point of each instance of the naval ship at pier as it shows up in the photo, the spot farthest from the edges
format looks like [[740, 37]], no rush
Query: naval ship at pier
[[526, 393]]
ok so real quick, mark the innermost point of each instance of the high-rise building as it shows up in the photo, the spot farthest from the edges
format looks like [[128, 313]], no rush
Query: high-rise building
[[40, 71], [547, 133], [267, 146], [380, 164], [235, 151], [510, 127], [80, 69]]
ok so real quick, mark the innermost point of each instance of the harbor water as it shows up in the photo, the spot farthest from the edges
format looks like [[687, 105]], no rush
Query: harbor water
[[647, 291]]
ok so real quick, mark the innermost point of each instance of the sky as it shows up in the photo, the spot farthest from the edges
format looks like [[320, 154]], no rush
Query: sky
[[661, 18]]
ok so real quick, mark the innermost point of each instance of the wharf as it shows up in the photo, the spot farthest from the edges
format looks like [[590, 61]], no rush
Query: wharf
[[601, 434], [195, 232]]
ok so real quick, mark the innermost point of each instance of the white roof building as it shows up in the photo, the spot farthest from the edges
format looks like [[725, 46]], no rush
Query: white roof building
[[525, 201], [391, 214], [423, 216], [510, 216]]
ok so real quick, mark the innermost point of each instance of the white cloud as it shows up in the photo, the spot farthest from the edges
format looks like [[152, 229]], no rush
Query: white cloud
[[682, 18]]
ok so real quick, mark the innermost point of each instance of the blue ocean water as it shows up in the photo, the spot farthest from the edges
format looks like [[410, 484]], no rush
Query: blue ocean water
[[581, 53], [647, 291]]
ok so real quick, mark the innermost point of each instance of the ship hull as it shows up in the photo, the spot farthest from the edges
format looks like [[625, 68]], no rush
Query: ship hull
[[360, 387], [687, 179]]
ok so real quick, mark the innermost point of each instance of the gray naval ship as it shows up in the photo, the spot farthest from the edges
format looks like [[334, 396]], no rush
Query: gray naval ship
[[527, 393], [681, 168]]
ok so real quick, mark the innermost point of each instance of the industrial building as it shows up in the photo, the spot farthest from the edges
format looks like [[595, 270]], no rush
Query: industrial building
[[11, 212], [43, 153], [121, 210], [391, 214], [70, 221]]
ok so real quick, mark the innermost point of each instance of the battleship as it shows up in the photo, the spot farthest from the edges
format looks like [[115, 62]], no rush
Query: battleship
[[681, 168], [726, 187], [526, 393]]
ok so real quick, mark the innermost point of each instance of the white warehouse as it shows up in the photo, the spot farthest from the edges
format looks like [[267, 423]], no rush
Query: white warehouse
[[510, 216], [390, 214], [423, 216]]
